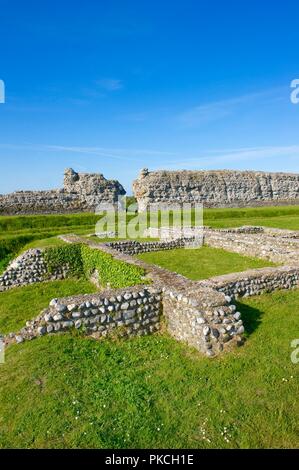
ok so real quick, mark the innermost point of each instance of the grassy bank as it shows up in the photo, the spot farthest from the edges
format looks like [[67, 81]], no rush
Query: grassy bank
[[22, 232], [285, 216]]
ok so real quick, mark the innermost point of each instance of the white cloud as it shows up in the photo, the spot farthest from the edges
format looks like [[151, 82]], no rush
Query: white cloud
[[125, 154]]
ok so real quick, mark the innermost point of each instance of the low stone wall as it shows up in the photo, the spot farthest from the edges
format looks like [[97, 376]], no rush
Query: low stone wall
[[204, 319], [249, 229], [29, 268], [133, 247], [281, 233], [121, 312], [255, 281], [275, 249], [174, 233]]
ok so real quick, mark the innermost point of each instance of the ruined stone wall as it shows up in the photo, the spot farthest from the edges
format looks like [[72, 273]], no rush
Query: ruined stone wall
[[133, 247], [82, 192], [28, 268], [217, 188], [201, 313], [255, 281], [278, 249], [203, 318], [122, 312]]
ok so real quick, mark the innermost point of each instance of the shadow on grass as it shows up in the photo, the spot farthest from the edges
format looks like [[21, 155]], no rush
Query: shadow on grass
[[251, 317]]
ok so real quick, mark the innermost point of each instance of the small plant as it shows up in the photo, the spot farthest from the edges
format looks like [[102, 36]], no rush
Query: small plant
[[66, 255], [111, 271]]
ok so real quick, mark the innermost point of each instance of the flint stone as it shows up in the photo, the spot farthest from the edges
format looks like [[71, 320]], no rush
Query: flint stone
[[206, 330]]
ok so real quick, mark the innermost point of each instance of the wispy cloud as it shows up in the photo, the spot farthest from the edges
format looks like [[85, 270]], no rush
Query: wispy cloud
[[215, 110], [110, 84], [234, 158], [125, 154], [220, 158]]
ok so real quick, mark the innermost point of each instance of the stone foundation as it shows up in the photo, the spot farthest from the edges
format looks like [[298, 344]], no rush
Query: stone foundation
[[203, 319], [200, 313], [134, 247]]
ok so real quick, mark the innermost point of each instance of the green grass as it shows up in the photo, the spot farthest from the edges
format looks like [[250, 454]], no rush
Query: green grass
[[204, 262], [21, 304], [5, 262], [45, 222], [285, 217], [154, 392], [44, 243], [18, 231], [283, 222]]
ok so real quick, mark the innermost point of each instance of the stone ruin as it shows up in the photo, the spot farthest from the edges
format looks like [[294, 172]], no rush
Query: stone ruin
[[215, 188], [201, 313], [82, 192]]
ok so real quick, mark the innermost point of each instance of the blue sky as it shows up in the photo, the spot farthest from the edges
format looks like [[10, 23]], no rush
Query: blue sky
[[115, 86]]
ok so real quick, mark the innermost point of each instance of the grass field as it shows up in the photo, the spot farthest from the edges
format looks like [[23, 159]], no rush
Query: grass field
[[280, 216], [203, 263], [46, 226], [17, 232], [286, 217], [68, 391]]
